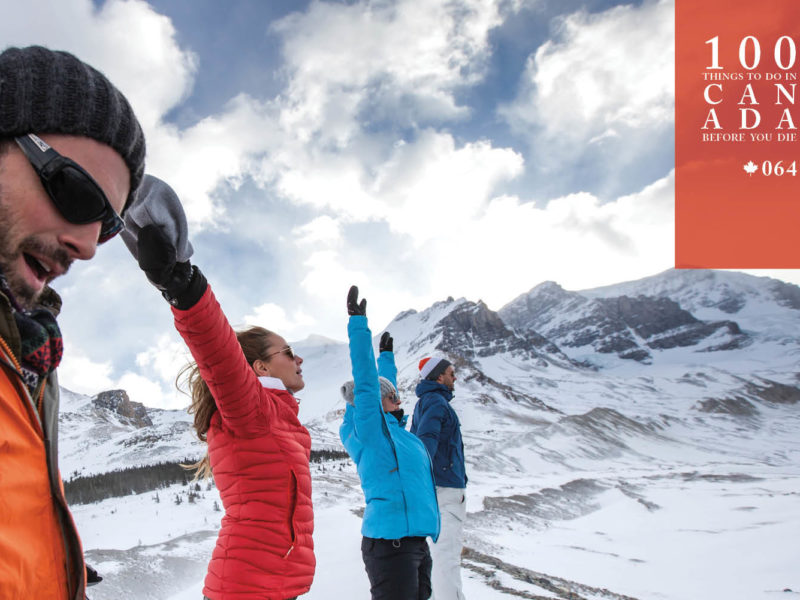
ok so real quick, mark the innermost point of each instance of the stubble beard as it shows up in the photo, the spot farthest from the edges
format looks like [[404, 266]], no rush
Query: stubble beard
[[10, 253]]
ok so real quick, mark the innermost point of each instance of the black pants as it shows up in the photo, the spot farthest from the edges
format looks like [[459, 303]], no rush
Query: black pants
[[398, 569]]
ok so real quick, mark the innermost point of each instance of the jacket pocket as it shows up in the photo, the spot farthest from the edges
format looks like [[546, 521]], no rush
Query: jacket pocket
[[442, 461]]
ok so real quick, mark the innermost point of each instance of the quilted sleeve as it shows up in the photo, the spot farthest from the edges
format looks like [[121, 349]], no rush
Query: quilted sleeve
[[222, 364]]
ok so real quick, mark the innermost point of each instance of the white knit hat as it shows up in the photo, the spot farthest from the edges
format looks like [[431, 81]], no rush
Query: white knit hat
[[431, 367], [348, 388]]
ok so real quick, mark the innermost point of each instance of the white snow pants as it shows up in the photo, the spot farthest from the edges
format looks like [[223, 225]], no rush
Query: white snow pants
[[446, 552]]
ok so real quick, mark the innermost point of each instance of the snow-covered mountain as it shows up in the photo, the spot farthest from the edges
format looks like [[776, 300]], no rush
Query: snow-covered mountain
[[635, 441], [627, 326], [110, 432], [761, 304]]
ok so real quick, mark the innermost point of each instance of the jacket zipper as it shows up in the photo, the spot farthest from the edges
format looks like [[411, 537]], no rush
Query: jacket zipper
[[293, 497], [11, 360], [397, 461]]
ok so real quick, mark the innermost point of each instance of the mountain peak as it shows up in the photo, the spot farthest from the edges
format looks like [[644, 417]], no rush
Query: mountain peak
[[547, 286], [635, 319], [118, 402]]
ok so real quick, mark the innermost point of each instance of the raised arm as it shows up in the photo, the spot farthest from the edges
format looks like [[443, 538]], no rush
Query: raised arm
[[233, 383], [156, 235], [368, 415], [386, 365]]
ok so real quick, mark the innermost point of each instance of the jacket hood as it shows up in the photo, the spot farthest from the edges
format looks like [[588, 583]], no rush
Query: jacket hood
[[426, 385]]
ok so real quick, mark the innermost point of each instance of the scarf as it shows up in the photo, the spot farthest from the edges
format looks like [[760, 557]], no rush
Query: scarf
[[42, 345]]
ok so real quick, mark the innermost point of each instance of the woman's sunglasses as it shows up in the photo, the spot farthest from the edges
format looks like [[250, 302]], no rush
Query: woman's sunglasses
[[73, 191], [287, 351]]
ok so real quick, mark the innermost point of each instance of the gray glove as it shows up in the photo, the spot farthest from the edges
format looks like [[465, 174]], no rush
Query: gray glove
[[157, 236], [157, 204]]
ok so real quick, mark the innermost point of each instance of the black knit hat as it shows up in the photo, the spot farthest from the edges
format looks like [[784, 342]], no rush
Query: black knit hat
[[47, 91]]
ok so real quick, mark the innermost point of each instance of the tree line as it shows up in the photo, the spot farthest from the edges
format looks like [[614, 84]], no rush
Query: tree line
[[138, 480]]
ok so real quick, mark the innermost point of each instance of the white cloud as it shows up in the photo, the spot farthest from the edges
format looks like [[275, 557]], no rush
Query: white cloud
[[154, 386], [431, 185], [137, 48], [324, 180], [392, 54], [607, 71], [326, 272], [168, 356], [143, 389], [396, 57], [217, 149], [323, 229], [503, 247], [574, 240], [80, 374], [421, 186], [273, 317], [127, 40]]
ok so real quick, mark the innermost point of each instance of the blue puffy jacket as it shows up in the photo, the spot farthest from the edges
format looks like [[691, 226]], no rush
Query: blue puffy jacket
[[393, 464], [437, 425]]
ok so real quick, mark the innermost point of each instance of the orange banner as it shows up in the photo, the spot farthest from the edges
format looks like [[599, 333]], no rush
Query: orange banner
[[737, 185]]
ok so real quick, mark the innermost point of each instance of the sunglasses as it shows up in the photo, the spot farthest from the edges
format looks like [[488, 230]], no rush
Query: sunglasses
[[287, 351], [73, 191]]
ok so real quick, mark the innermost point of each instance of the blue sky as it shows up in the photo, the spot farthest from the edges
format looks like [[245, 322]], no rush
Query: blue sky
[[465, 148]]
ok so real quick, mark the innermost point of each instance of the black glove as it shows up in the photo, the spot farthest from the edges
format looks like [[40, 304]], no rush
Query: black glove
[[92, 576], [180, 283], [353, 306], [387, 343]]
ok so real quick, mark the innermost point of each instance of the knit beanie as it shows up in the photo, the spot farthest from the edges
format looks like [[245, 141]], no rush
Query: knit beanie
[[347, 389], [386, 387], [48, 91], [432, 366]]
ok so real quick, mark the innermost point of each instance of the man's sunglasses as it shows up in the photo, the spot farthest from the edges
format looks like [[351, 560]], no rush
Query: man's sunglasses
[[73, 191], [287, 351]]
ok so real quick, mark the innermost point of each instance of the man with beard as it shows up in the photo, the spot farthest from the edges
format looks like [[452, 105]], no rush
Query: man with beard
[[71, 159]]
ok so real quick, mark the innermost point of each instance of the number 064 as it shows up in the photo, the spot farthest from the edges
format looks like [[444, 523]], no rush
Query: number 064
[[777, 169]]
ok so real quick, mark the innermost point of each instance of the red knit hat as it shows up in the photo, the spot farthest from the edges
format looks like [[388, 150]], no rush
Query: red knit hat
[[431, 367]]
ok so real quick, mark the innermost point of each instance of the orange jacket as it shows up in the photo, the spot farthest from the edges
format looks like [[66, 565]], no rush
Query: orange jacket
[[40, 551]]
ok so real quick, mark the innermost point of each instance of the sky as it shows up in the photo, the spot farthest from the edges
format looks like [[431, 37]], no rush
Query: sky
[[464, 148]]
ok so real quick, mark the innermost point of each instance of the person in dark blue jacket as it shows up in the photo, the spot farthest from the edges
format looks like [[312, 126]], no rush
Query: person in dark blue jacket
[[394, 468], [437, 425]]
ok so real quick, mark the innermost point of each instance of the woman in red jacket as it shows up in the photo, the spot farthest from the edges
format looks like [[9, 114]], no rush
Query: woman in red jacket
[[243, 402]]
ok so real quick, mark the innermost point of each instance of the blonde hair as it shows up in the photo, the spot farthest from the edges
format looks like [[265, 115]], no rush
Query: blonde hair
[[256, 343]]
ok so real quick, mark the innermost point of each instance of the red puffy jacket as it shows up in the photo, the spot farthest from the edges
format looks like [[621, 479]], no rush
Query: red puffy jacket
[[259, 455]]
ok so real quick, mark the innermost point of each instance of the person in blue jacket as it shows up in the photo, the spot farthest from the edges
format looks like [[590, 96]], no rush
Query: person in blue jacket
[[394, 468]]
